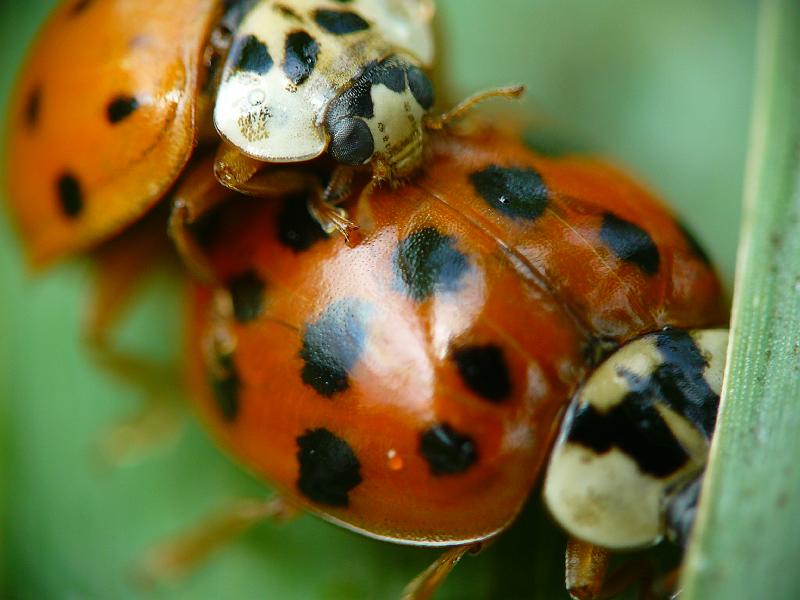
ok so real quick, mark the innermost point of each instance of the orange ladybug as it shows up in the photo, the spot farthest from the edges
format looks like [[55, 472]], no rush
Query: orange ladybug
[[503, 308]]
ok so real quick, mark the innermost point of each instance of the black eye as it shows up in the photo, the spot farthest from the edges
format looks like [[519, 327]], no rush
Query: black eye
[[351, 141], [421, 87]]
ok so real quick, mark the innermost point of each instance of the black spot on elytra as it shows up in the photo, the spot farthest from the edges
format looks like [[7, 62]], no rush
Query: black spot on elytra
[[635, 425], [251, 55], [427, 261], [121, 108], [694, 245], [484, 371], [421, 87], [33, 107], [79, 7], [356, 101], [297, 229], [70, 195], [300, 56], [339, 22], [333, 344], [518, 192], [329, 469], [225, 384], [630, 243], [247, 293], [447, 451]]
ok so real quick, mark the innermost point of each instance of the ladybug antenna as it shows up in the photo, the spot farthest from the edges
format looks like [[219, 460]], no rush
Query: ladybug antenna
[[512, 92]]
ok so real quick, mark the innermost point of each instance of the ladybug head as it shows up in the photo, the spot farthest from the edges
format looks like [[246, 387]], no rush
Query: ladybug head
[[380, 116]]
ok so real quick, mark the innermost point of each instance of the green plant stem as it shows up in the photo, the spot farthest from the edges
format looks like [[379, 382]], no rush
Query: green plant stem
[[747, 539]]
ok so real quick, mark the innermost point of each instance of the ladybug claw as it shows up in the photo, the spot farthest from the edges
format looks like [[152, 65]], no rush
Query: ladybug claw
[[333, 219]]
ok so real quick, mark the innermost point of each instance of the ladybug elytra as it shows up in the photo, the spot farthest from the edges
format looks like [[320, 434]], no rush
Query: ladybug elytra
[[501, 309]]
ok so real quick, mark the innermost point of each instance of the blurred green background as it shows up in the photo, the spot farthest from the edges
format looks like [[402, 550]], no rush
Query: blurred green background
[[662, 88]]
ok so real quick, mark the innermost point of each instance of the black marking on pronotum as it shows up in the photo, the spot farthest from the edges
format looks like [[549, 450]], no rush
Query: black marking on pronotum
[[421, 87], [446, 451], [630, 243], [300, 56], [329, 469], [518, 192], [33, 107], [635, 427], [225, 385], [356, 101], [333, 344], [428, 261], [297, 229], [339, 22], [484, 371], [251, 55], [121, 108], [70, 195], [694, 245], [679, 380], [247, 293]]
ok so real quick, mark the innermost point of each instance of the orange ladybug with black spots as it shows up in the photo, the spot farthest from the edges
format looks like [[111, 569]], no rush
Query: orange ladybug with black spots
[[412, 388]]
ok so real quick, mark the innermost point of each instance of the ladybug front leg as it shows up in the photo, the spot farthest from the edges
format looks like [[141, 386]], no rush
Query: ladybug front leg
[[424, 585], [197, 194], [252, 177], [201, 191], [174, 558], [585, 573]]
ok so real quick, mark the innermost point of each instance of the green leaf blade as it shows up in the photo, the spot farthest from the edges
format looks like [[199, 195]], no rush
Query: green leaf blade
[[748, 531]]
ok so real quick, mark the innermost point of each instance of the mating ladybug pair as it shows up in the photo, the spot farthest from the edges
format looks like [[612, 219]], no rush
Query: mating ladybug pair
[[500, 307]]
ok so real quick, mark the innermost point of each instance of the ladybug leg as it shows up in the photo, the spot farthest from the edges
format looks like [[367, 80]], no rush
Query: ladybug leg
[[586, 566], [120, 266], [252, 177], [175, 557], [198, 194], [255, 178], [461, 109], [424, 585], [324, 209]]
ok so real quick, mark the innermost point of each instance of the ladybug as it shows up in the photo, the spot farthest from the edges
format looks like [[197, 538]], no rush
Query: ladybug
[[116, 94], [507, 313]]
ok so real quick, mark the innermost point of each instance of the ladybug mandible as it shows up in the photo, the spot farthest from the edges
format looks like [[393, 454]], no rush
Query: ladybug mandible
[[116, 95], [504, 308]]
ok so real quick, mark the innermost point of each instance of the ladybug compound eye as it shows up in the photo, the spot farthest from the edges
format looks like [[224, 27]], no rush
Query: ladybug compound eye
[[351, 141], [421, 87]]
